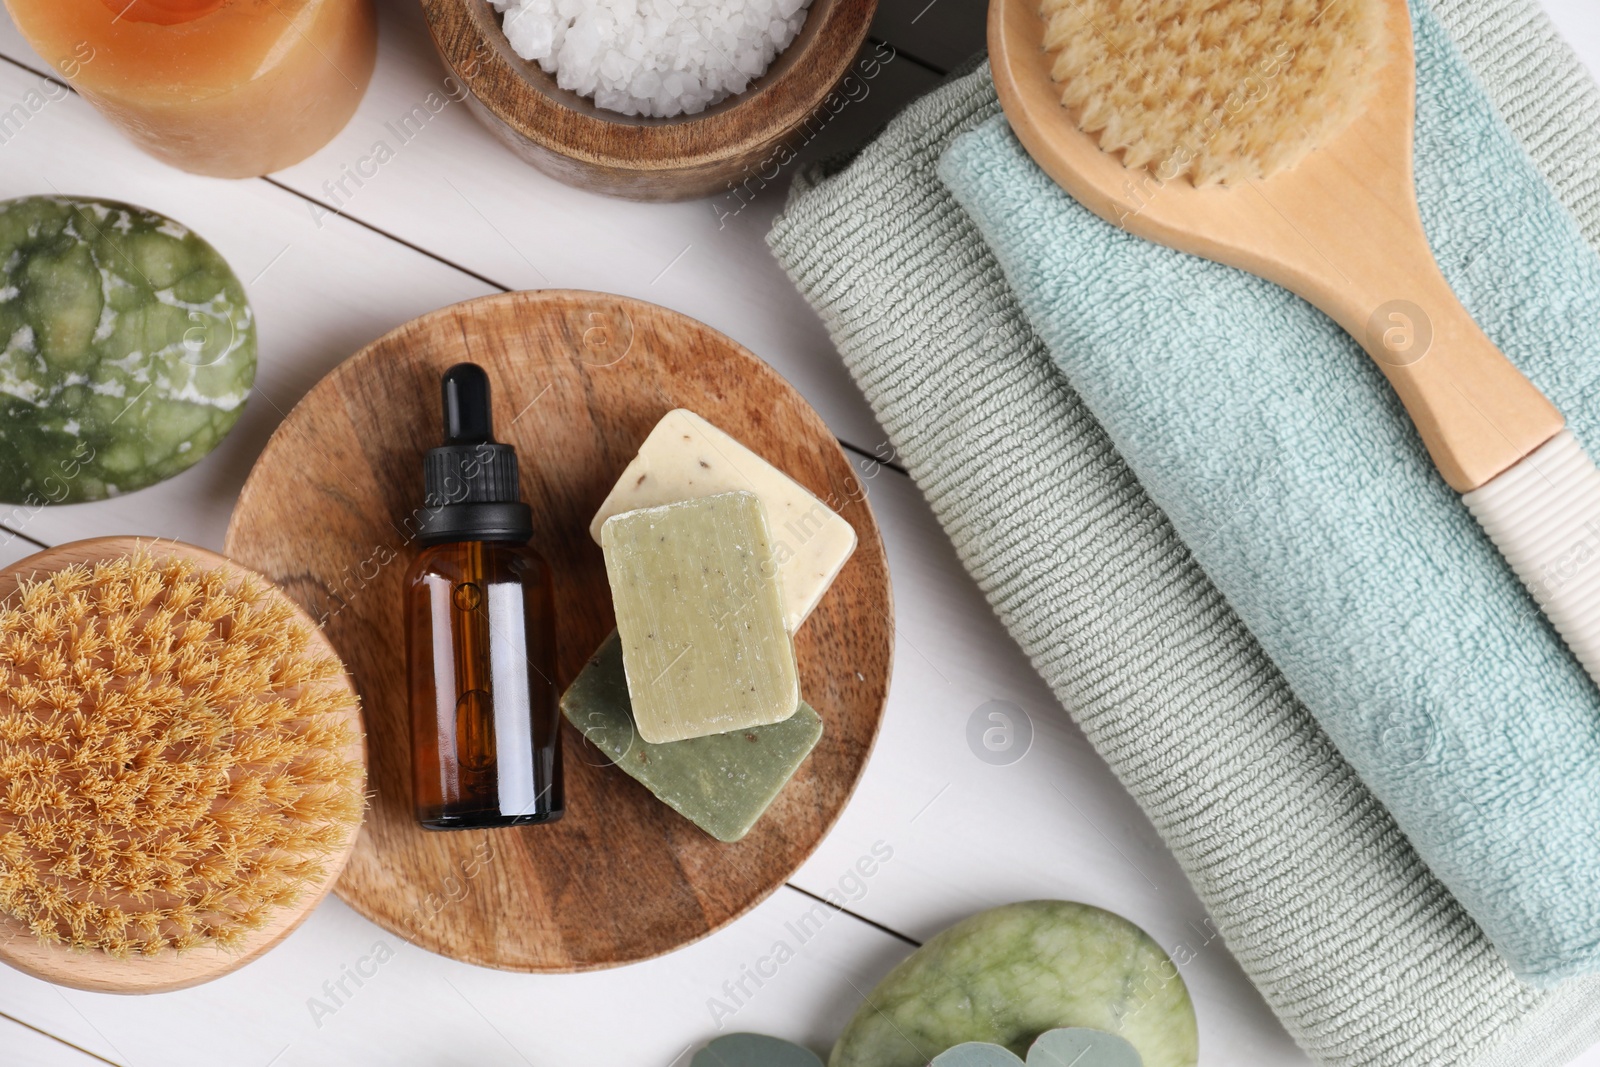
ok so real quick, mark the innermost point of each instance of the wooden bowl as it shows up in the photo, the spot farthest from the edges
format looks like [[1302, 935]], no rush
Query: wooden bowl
[[96, 970], [578, 379], [568, 137]]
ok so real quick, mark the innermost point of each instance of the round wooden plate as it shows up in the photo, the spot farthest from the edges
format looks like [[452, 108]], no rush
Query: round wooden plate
[[579, 380], [153, 974]]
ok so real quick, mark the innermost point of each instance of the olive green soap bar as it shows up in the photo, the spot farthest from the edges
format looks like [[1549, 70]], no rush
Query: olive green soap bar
[[700, 615], [722, 783]]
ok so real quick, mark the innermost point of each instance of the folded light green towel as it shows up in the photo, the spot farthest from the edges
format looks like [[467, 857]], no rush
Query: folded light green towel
[[1362, 954], [1288, 466]]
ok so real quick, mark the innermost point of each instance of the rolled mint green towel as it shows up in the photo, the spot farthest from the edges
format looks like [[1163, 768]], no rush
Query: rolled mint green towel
[[1286, 464], [1362, 954]]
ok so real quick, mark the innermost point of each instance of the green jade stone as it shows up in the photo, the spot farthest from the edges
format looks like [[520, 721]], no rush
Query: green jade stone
[[722, 783], [1008, 975], [127, 349]]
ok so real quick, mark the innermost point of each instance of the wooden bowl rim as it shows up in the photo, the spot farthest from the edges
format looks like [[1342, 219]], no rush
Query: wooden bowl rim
[[867, 533], [93, 969], [795, 86]]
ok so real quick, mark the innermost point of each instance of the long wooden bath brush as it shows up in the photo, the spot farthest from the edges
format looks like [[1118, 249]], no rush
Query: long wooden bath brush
[[1276, 136], [182, 765]]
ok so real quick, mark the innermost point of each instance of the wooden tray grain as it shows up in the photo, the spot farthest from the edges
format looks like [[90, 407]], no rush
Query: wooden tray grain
[[579, 380], [96, 970]]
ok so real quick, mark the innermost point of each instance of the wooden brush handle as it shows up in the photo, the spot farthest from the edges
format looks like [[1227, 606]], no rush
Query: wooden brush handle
[[1476, 412], [1340, 228]]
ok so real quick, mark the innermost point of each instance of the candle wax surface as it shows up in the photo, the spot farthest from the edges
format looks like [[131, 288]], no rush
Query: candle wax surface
[[232, 88]]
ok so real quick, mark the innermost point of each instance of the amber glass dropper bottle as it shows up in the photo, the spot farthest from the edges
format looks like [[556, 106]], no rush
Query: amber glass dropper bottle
[[480, 634]]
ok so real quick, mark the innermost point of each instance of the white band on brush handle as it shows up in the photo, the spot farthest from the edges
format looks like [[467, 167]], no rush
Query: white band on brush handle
[[1544, 516]]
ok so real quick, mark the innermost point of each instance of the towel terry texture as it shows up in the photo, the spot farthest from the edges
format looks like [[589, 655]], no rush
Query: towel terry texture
[[1353, 943], [1288, 466]]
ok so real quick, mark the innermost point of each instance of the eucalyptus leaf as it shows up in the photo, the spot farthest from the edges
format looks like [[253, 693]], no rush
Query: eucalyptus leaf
[[1080, 1046], [976, 1054], [754, 1050]]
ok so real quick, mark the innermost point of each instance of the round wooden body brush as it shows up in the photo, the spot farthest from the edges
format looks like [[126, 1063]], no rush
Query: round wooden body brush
[[1276, 136], [181, 765]]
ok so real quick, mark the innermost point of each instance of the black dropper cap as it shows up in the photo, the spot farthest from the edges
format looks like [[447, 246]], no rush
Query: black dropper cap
[[471, 479]]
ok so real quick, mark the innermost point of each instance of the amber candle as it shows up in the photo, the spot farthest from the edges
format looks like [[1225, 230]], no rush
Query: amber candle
[[232, 88]]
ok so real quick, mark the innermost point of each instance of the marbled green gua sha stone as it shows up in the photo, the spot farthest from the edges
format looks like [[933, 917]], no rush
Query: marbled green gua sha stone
[[1007, 975], [127, 349], [753, 1050]]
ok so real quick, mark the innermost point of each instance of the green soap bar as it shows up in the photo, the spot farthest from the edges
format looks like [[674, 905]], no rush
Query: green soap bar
[[700, 613], [127, 349], [1009, 974], [721, 783]]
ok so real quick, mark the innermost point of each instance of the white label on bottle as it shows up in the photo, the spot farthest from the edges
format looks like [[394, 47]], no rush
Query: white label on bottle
[[513, 718]]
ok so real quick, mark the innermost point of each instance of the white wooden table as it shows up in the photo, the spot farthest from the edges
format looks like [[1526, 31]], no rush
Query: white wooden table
[[453, 216]]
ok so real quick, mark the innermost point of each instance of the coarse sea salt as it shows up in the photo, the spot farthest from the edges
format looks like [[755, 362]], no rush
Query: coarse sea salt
[[652, 57]]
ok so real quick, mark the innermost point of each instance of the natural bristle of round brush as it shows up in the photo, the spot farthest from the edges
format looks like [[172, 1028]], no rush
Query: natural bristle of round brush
[[173, 756], [1217, 90]]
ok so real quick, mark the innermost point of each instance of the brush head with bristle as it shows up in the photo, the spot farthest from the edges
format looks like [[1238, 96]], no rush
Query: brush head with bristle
[[174, 756], [1218, 90]]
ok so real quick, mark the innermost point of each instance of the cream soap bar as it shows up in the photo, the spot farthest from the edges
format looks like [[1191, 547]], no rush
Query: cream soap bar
[[701, 617], [686, 457], [722, 783]]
